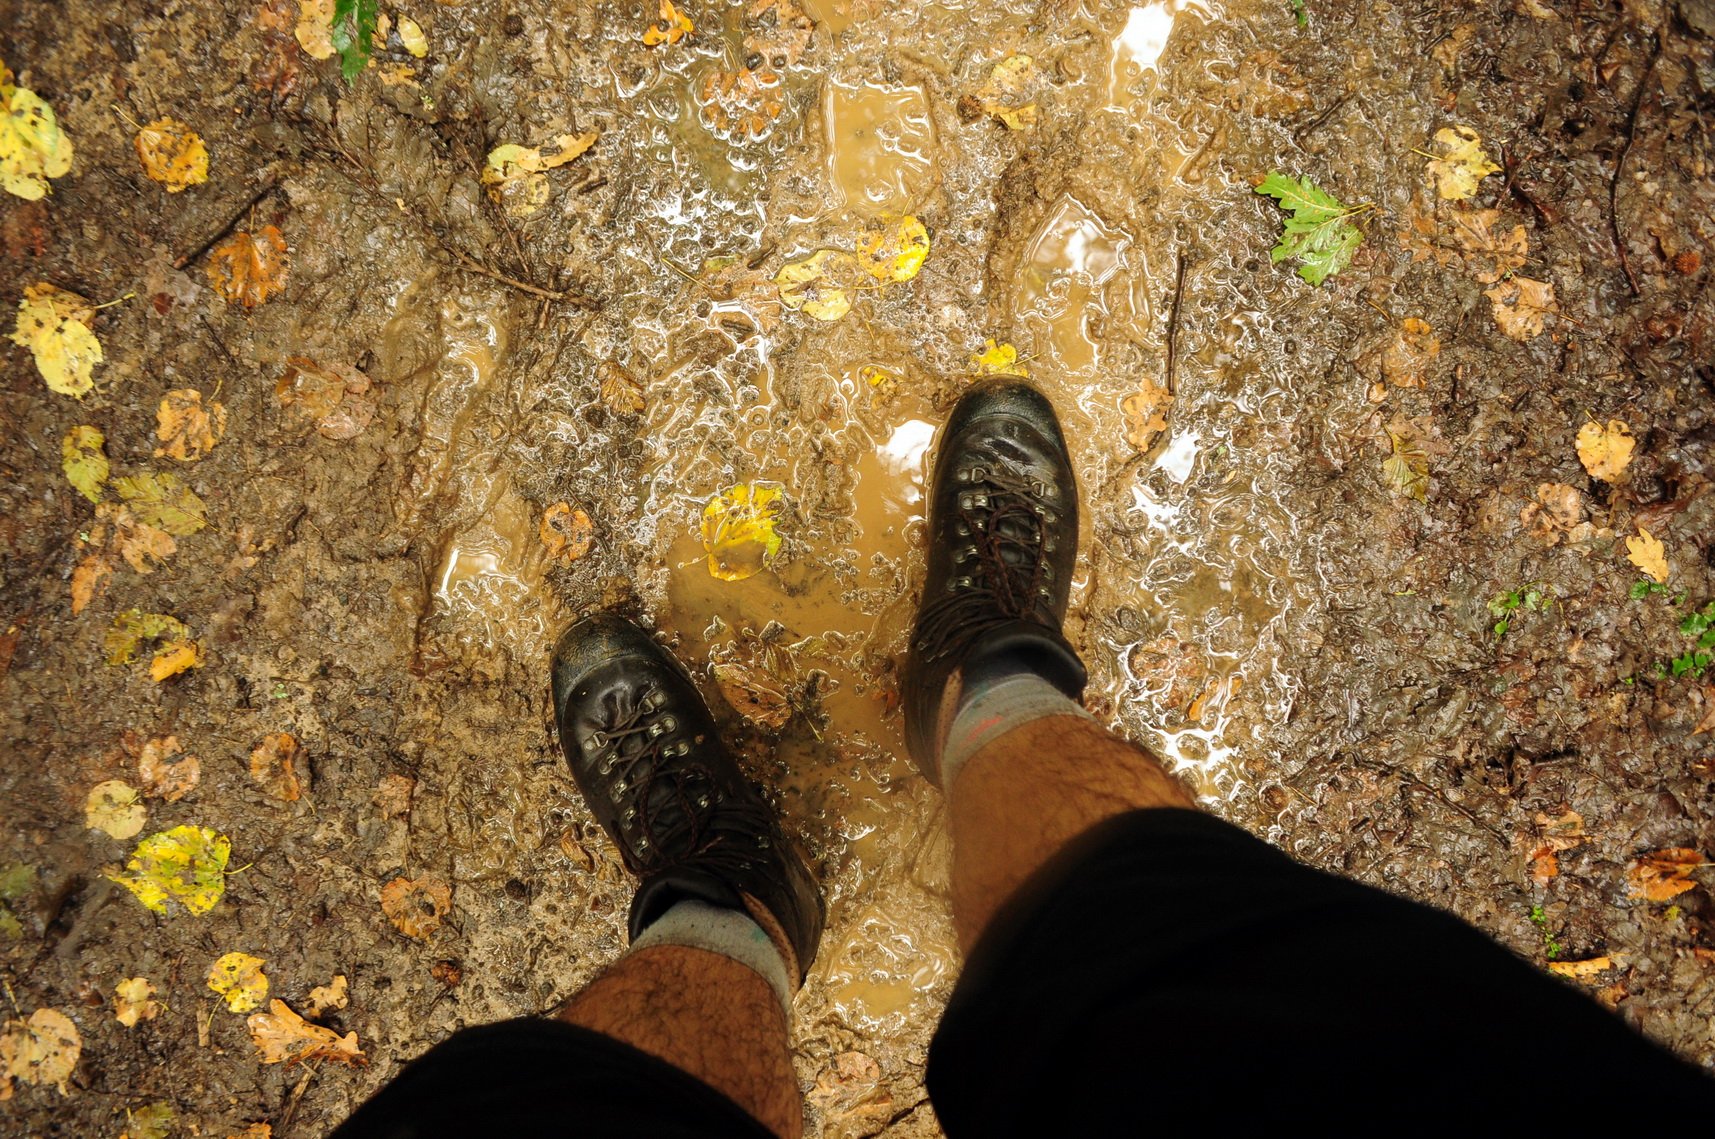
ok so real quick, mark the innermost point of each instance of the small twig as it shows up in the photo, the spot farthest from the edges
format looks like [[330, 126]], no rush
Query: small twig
[[271, 180], [1298, 135], [476, 266], [1510, 162], [1171, 376], [220, 344], [1620, 167]]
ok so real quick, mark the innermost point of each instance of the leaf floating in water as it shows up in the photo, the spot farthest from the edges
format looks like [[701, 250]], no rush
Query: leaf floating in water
[[115, 808], [133, 1001], [675, 28], [738, 530], [516, 175], [817, 284], [185, 865]]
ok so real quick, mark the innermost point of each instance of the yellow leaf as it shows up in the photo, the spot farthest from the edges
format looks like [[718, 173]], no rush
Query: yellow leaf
[[1605, 451], [246, 268], [1462, 163], [53, 325], [172, 154], [186, 431], [815, 284], [84, 461], [1521, 305], [132, 627], [315, 28], [115, 807], [42, 1050], [239, 978], [1647, 553], [133, 1001], [1146, 413], [738, 530], [163, 780], [515, 175], [1004, 94], [186, 865], [33, 149], [274, 766], [411, 35], [896, 252], [282, 1036], [1581, 970], [156, 1120], [676, 28], [254, 1131], [998, 360], [416, 905], [162, 501], [566, 533]]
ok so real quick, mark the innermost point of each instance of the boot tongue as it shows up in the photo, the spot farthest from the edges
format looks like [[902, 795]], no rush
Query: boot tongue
[[657, 894], [1019, 646]]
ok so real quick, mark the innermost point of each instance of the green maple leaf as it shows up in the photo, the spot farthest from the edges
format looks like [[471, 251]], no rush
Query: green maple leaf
[[1317, 229]]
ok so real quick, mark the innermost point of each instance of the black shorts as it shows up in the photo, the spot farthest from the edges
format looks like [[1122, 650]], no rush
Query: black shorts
[[1165, 973]]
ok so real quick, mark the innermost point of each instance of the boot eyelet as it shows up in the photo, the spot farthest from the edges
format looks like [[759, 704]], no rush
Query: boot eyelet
[[1047, 573], [960, 583], [655, 730], [979, 500], [965, 501], [595, 740], [1042, 590], [964, 474], [642, 844], [703, 801], [630, 814], [962, 530], [668, 723], [762, 840]]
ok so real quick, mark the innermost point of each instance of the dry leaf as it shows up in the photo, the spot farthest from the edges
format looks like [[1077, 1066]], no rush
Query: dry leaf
[[115, 807], [163, 780], [273, 765], [284, 1037], [566, 533], [186, 864], [416, 906], [1521, 305], [172, 154], [187, 432], [1409, 354], [1462, 163], [393, 795], [330, 395], [239, 978], [54, 325], [1662, 875], [676, 28], [1647, 553], [738, 530], [133, 1001], [1581, 970], [246, 268], [324, 998], [32, 146], [1605, 451], [42, 1050]]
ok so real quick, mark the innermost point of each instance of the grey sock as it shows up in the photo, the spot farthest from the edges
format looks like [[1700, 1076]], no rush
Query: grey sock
[[997, 709], [731, 933]]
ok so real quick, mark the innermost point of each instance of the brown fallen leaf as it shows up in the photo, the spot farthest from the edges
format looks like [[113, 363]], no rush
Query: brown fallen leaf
[[1410, 353], [1145, 413], [1605, 451], [331, 395], [1585, 971], [273, 765], [1489, 254], [393, 795], [284, 1037], [1707, 723], [740, 104], [753, 693], [1554, 835], [1557, 512], [172, 154], [1521, 306], [1647, 553], [247, 268], [448, 973], [324, 998], [88, 579], [187, 431], [42, 1050], [416, 906], [1662, 875], [164, 780], [566, 533]]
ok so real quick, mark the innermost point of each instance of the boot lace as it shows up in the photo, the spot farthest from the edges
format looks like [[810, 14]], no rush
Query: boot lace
[[677, 811], [1004, 512]]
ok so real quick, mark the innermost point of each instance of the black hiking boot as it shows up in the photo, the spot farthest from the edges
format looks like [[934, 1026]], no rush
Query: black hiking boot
[[1003, 537], [646, 755]]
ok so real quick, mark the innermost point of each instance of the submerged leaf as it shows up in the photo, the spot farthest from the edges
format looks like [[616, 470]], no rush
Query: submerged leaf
[[1521, 305], [1004, 94], [54, 325], [817, 284], [84, 461], [1462, 163], [274, 766], [185, 865], [516, 175], [416, 906], [332, 395], [162, 501], [1406, 470], [172, 154], [164, 780], [738, 530], [675, 27], [566, 533], [894, 252]]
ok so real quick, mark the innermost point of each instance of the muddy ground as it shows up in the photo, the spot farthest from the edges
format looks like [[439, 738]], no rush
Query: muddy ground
[[1312, 646]]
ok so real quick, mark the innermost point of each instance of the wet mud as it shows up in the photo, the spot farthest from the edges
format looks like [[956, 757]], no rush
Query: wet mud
[[1313, 651]]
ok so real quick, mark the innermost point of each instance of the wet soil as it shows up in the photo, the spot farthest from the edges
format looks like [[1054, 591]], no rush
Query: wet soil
[[1313, 650]]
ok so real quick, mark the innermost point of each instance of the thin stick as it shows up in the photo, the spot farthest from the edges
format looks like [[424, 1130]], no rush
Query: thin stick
[[476, 266], [1172, 384], [1620, 167], [268, 183], [1298, 135]]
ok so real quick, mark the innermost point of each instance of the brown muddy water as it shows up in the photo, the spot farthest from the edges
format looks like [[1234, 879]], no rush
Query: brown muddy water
[[1309, 650]]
